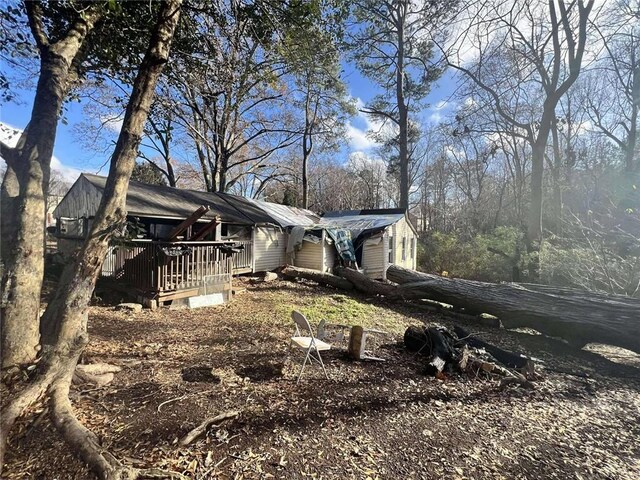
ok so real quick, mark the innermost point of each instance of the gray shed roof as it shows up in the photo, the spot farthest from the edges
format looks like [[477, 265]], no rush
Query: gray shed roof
[[158, 201], [360, 221]]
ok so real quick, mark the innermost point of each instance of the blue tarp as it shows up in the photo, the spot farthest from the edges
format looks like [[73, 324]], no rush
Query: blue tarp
[[343, 244]]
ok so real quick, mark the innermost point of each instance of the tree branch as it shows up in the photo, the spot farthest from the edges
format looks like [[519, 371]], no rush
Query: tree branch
[[34, 15]]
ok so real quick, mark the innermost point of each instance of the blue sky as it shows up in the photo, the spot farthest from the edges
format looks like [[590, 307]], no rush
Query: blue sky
[[72, 157]]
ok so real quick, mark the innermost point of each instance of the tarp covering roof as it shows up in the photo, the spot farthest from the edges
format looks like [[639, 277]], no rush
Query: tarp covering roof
[[159, 201], [287, 216], [360, 221]]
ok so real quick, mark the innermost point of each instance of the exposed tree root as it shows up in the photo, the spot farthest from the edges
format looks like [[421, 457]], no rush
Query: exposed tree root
[[56, 381], [87, 445]]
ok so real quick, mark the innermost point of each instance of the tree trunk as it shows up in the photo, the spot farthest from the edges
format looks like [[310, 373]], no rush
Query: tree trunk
[[65, 320], [631, 163], [222, 173], [566, 313], [9, 196], [365, 284], [534, 224], [306, 152], [556, 176], [403, 121], [30, 162], [316, 276], [307, 147]]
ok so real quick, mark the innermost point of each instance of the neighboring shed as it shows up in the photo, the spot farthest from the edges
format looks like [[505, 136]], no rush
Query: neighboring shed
[[380, 238]]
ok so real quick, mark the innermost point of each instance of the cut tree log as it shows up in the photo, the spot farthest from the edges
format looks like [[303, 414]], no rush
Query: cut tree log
[[565, 313], [358, 341], [507, 358], [316, 276], [435, 343]]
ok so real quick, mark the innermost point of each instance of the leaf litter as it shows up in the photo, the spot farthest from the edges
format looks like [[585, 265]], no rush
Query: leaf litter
[[368, 421]]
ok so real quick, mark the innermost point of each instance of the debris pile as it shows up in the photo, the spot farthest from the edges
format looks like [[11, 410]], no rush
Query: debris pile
[[460, 352]]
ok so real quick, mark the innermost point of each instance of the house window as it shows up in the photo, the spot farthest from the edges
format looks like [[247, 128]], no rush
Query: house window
[[404, 248], [413, 248], [390, 249]]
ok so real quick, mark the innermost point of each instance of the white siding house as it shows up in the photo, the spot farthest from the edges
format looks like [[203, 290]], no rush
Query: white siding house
[[269, 245], [404, 244], [380, 238], [319, 256], [270, 242], [375, 254]]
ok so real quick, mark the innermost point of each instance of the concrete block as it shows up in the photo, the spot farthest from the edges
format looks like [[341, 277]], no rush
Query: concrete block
[[205, 300]]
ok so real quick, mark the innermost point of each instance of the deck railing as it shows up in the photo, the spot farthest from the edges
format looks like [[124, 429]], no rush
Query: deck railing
[[244, 259], [162, 266]]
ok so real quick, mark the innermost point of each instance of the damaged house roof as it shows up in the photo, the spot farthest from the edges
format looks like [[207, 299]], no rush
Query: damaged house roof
[[287, 216], [362, 221], [159, 201]]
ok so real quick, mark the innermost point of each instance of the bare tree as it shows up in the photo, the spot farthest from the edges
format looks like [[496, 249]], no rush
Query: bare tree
[[232, 100], [535, 45], [318, 91], [613, 93]]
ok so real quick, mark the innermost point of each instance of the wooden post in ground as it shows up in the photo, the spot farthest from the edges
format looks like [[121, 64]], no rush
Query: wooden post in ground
[[356, 342]]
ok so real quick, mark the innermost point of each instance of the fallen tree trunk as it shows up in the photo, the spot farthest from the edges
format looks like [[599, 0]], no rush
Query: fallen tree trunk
[[577, 318], [316, 276], [364, 284]]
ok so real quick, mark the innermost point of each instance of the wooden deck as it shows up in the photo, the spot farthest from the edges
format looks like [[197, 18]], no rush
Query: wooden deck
[[175, 269]]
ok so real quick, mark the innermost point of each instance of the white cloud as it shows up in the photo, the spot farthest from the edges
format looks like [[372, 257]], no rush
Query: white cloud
[[358, 139], [362, 160], [10, 135], [439, 110], [435, 117], [441, 104], [584, 127]]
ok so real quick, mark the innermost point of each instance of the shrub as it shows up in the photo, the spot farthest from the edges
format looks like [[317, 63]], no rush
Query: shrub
[[487, 257]]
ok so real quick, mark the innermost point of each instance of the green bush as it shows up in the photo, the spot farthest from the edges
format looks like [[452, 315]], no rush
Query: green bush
[[474, 259]]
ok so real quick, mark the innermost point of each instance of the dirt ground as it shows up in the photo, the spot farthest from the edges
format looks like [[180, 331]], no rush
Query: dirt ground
[[368, 421]]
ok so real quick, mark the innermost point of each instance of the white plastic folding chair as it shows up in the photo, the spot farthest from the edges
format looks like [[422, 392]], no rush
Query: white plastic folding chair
[[306, 340]]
